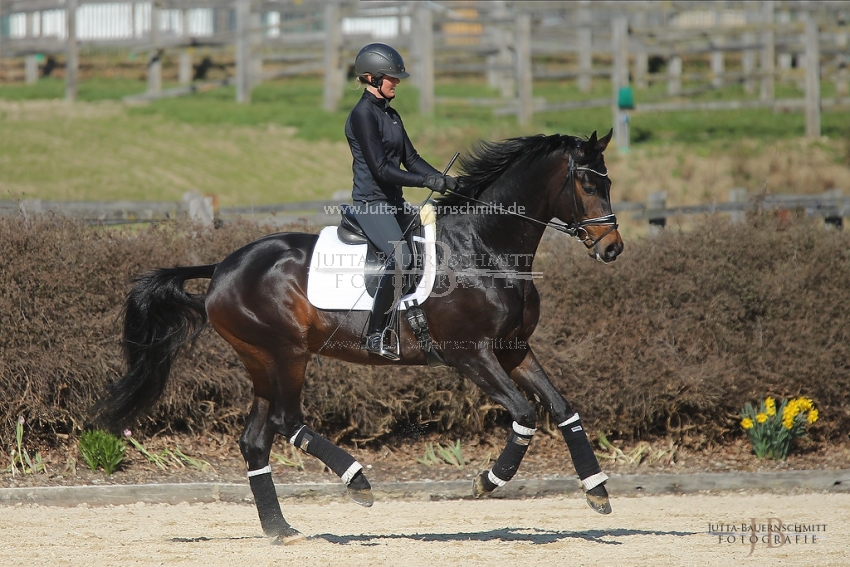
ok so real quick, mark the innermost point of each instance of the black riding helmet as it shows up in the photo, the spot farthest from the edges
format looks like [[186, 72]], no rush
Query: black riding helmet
[[379, 60]]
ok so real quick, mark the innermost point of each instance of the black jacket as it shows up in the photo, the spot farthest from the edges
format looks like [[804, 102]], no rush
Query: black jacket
[[379, 146]]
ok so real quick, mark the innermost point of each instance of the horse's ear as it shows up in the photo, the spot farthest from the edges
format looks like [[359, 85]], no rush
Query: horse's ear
[[589, 147], [602, 143]]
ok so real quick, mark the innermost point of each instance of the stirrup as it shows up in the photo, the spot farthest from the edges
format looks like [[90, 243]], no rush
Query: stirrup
[[380, 343]]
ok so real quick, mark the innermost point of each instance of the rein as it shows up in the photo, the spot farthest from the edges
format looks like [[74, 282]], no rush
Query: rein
[[576, 228]]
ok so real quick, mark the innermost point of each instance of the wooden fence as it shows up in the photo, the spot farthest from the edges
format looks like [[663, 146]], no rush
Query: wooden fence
[[700, 45], [832, 206]]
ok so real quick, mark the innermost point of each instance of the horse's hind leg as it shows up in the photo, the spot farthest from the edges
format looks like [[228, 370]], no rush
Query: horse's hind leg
[[277, 409], [531, 377], [255, 444], [286, 419]]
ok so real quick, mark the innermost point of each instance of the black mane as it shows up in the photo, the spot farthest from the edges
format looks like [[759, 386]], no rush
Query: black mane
[[487, 161]]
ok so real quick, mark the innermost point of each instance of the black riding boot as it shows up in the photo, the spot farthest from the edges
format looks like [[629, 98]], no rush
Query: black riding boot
[[378, 331]]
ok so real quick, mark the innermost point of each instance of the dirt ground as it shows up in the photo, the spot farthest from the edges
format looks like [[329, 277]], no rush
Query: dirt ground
[[644, 530], [647, 530]]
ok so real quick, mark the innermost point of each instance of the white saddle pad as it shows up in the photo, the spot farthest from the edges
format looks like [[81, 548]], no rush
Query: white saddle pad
[[336, 280]]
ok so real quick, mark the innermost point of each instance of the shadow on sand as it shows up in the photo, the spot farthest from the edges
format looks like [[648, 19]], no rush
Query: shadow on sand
[[527, 535]]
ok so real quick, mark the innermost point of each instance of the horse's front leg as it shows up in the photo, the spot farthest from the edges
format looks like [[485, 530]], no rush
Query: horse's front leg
[[531, 377], [484, 369]]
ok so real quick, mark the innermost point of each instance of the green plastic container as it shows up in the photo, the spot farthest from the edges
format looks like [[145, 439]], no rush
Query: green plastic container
[[626, 98]]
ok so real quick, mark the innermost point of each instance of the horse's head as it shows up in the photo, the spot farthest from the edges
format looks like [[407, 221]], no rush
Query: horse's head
[[584, 199]]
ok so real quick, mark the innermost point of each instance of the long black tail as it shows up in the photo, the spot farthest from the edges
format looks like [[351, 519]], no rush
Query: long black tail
[[159, 318]]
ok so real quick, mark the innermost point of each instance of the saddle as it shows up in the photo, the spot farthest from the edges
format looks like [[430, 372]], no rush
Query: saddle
[[349, 232]]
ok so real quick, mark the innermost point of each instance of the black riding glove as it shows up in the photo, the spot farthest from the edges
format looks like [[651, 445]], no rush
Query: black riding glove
[[441, 183]]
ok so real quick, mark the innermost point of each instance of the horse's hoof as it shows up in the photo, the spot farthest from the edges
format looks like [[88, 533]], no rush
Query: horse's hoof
[[482, 486], [288, 536], [597, 498], [362, 496]]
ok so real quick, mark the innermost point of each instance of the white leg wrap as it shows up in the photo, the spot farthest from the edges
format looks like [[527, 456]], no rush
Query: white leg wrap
[[349, 474], [496, 480], [573, 419], [265, 470], [520, 430], [594, 480], [294, 435]]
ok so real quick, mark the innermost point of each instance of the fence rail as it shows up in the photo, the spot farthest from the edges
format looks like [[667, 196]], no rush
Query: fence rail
[[832, 206], [701, 44]]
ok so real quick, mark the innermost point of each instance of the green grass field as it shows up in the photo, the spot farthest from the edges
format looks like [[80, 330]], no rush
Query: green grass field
[[284, 147]]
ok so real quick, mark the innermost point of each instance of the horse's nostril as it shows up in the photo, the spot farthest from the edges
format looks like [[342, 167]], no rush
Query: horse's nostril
[[612, 251]]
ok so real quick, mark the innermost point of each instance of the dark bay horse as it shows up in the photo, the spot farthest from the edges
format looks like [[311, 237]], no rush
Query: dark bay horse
[[509, 193]]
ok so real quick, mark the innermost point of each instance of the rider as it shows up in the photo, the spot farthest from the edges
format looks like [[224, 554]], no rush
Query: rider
[[379, 146]]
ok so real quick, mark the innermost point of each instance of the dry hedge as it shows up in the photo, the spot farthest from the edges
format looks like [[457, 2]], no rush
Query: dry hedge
[[672, 339]]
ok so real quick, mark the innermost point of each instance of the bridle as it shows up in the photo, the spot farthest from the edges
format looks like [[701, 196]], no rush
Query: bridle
[[609, 220], [575, 228]]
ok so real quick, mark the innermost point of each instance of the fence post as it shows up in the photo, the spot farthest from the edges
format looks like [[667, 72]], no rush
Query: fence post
[[718, 61], [423, 44], [1, 41], [620, 79], [30, 63], [523, 68], [641, 65], [499, 36], [155, 59], [185, 69], [656, 202], [841, 75], [585, 47], [768, 53], [333, 46], [738, 195], [243, 56], [785, 58], [833, 219], [748, 57], [221, 23], [199, 208], [812, 78], [31, 206], [674, 75], [131, 20], [72, 63]]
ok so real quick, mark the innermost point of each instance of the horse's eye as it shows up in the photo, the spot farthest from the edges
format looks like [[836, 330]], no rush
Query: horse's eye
[[588, 188]]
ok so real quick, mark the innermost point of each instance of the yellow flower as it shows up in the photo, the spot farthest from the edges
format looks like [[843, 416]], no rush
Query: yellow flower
[[761, 417], [791, 410], [747, 423], [771, 406], [805, 404], [813, 416]]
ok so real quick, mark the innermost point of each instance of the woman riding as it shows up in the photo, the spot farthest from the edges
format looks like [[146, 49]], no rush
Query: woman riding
[[379, 146]]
